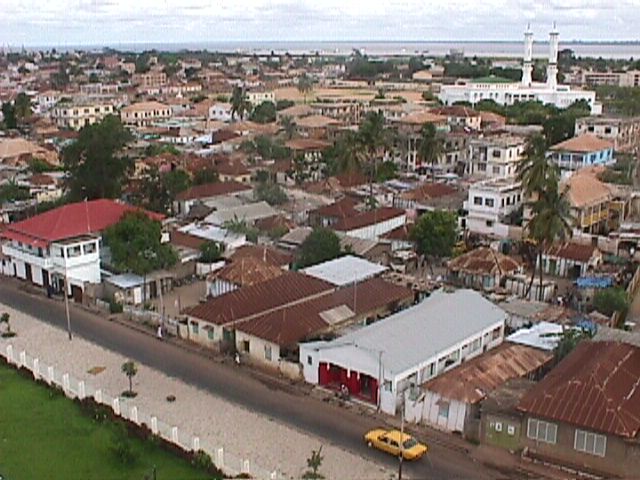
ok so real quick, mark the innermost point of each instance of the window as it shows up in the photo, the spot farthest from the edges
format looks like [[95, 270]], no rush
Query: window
[[511, 430], [488, 202], [498, 426], [496, 170], [443, 409], [74, 251], [542, 431], [387, 385], [267, 352], [210, 333], [245, 346], [496, 154], [591, 443], [476, 344], [89, 248], [309, 360], [477, 200], [195, 328]]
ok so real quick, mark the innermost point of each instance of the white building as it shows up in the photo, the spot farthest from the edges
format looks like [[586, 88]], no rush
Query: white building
[[488, 204], [220, 112], [624, 132], [372, 224], [346, 270], [507, 92], [80, 113], [143, 114], [407, 348], [495, 156], [256, 97]]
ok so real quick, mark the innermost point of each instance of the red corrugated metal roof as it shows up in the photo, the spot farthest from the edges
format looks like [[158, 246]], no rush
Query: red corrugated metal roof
[[258, 298], [69, 221], [212, 190], [596, 387], [371, 217], [290, 325]]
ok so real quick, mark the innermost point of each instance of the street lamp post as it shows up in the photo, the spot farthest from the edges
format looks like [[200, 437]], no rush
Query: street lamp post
[[66, 300]]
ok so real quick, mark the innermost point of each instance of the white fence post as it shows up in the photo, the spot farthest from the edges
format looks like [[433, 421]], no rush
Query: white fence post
[[81, 390], [134, 414], [274, 475], [220, 457], [36, 368], [116, 406], [196, 444], [154, 425], [246, 468], [23, 359], [10, 353], [174, 435], [98, 396], [65, 382], [50, 375]]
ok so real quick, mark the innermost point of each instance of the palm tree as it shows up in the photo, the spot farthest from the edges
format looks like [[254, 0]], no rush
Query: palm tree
[[534, 170], [430, 147], [130, 369], [551, 221], [305, 85], [289, 126], [239, 103], [373, 139]]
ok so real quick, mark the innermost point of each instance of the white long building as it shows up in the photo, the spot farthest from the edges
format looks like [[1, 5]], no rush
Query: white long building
[[507, 92]]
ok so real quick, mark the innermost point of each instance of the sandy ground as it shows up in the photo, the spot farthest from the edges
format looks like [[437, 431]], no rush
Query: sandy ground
[[243, 434]]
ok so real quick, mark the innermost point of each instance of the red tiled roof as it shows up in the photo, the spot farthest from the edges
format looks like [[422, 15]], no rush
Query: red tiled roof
[[289, 325], [595, 387], [400, 233], [583, 143], [267, 254], [572, 251], [341, 209], [72, 220], [41, 179], [351, 179], [455, 111], [427, 191], [185, 240], [259, 298], [209, 190], [370, 217], [232, 168], [248, 271]]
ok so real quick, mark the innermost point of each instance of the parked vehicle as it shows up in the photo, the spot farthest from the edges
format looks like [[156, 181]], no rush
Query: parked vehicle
[[396, 443]]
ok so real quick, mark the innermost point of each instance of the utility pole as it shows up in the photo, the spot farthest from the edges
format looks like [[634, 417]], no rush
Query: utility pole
[[401, 442], [66, 300]]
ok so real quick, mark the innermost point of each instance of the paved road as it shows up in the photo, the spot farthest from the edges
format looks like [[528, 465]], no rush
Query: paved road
[[340, 426]]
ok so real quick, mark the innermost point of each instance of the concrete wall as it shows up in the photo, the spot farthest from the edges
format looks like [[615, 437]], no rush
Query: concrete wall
[[433, 411], [258, 349]]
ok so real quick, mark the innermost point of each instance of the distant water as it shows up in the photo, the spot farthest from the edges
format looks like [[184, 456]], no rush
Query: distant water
[[622, 50]]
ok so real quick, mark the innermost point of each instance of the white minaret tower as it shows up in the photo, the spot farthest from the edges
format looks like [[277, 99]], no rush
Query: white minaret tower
[[527, 64], [552, 68]]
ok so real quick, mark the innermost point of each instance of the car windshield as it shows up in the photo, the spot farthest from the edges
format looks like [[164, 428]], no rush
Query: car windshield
[[410, 443]]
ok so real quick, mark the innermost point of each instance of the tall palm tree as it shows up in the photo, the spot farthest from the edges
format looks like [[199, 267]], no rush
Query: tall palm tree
[[551, 221], [534, 170], [430, 147], [239, 103], [289, 126], [305, 85], [374, 138]]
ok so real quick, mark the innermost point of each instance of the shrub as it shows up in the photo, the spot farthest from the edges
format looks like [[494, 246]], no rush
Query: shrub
[[115, 307], [121, 447], [202, 460]]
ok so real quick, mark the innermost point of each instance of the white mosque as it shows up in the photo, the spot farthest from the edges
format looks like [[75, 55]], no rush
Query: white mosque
[[507, 92]]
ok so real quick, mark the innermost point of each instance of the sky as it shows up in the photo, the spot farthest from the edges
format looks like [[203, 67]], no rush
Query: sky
[[111, 22]]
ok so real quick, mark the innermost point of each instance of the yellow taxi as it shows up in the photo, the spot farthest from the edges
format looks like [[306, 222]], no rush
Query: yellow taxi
[[395, 443]]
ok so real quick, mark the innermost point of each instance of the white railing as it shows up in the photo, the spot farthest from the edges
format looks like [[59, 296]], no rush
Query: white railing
[[127, 409]]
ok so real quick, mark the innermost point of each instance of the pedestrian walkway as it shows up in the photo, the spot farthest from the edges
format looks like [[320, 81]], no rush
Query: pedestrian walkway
[[242, 433]]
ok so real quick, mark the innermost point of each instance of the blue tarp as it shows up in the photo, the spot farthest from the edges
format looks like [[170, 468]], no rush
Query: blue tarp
[[594, 282]]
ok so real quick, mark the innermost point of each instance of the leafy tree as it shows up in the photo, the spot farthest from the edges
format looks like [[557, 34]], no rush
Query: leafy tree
[[534, 170], [264, 113], [569, 339], [321, 245], [9, 114], [160, 190], [95, 165], [346, 155], [435, 233], [37, 165], [156, 149], [282, 104], [60, 79], [135, 245], [271, 193], [242, 227], [611, 300], [211, 251], [314, 462], [386, 171], [11, 192], [206, 175], [305, 85], [374, 138], [142, 63], [22, 106], [430, 147], [130, 369], [239, 103]]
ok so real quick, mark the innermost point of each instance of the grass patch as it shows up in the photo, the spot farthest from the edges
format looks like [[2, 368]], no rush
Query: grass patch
[[44, 435]]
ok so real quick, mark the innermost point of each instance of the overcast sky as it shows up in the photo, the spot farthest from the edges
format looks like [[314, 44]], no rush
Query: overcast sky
[[110, 22]]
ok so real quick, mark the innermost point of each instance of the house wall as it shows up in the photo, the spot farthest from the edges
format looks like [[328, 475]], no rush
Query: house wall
[[260, 351], [195, 331], [219, 287], [439, 412], [372, 232], [6, 267], [621, 457], [501, 430]]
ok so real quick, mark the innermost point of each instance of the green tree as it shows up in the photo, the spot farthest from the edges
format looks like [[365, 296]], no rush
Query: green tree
[[9, 115], [206, 175], [282, 104], [435, 233], [135, 245], [568, 340], [211, 251], [271, 193], [95, 165], [314, 462], [534, 170], [387, 171], [611, 300], [23, 108], [160, 189], [321, 245], [239, 103], [130, 369], [430, 147], [264, 113], [374, 138], [305, 85], [241, 226], [11, 192]]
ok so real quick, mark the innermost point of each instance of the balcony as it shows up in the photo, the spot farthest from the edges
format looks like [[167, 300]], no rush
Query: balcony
[[28, 256]]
